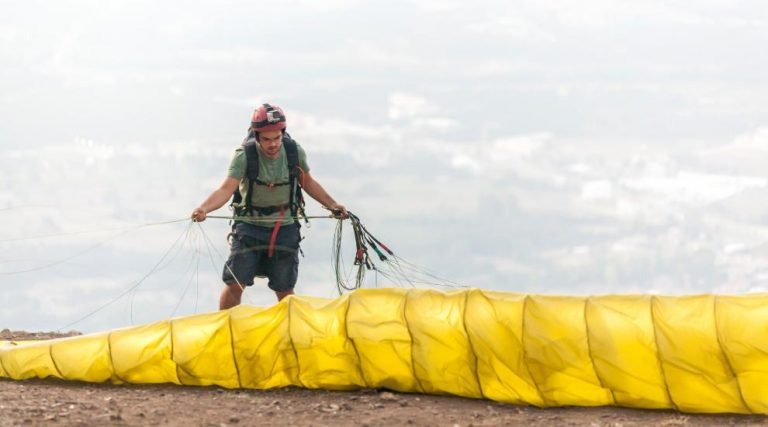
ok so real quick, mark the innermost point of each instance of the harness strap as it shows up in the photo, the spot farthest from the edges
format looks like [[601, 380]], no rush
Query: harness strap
[[271, 184], [275, 230], [261, 210]]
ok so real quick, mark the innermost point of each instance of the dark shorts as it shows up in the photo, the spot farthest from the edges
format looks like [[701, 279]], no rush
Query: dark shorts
[[249, 256]]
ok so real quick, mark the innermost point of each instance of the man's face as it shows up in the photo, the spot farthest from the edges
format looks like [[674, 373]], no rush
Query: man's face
[[270, 143]]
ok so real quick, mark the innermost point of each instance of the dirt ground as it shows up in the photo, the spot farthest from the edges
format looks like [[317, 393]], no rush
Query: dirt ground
[[55, 402]]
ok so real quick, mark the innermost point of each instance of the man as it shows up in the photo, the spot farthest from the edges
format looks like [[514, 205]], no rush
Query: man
[[268, 244]]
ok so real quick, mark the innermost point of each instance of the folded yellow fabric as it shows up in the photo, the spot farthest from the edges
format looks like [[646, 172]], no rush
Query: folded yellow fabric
[[700, 353]]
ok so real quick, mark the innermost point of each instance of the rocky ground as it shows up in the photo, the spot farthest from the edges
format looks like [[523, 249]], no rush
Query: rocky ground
[[54, 402]]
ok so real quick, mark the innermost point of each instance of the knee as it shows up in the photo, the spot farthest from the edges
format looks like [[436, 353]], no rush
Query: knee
[[234, 290], [282, 294]]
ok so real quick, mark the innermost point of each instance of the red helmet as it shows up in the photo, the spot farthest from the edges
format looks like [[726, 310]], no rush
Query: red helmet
[[268, 118]]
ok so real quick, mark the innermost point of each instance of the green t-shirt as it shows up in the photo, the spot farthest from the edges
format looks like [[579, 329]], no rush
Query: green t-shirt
[[270, 171]]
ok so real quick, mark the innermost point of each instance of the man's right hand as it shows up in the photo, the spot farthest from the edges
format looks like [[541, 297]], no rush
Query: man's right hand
[[198, 215]]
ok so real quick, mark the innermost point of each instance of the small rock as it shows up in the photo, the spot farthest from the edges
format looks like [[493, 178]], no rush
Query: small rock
[[388, 396], [115, 417], [234, 420], [330, 408]]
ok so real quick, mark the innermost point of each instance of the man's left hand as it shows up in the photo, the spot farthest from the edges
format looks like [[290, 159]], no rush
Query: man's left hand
[[339, 211]]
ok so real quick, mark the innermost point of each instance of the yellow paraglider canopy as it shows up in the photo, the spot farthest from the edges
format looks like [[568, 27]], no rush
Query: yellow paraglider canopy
[[701, 353]]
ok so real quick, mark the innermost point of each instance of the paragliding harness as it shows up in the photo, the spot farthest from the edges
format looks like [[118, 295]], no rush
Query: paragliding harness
[[241, 205]]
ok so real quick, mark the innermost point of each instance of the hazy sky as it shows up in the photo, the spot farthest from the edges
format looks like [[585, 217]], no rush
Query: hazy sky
[[532, 146]]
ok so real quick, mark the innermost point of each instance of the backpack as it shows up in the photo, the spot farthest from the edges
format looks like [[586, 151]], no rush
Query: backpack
[[241, 204]]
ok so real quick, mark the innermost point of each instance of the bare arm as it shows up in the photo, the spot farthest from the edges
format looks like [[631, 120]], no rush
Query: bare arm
[[314, 189], [216, 200]]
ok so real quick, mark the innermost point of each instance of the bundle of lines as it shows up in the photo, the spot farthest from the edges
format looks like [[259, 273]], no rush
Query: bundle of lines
[[396, 270]]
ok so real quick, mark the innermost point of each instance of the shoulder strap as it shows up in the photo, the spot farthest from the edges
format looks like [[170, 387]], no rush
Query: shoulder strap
[[251, 171], [251, 159], [293, 154], [296, 198]]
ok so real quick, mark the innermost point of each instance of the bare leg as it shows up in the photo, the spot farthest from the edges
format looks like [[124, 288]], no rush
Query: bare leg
[[230, 296], [281, 295]]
